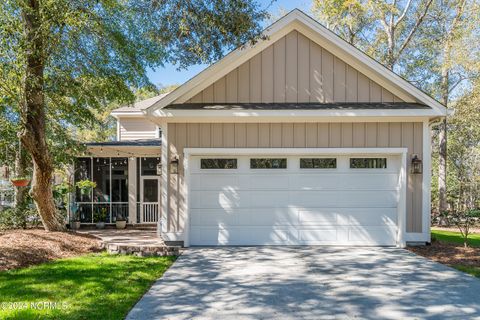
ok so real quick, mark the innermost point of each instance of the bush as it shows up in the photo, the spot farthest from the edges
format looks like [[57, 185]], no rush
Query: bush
[[13, 218]]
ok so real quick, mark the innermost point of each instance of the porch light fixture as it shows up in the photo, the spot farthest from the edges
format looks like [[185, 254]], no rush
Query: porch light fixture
[[174, 166], [416, 165]]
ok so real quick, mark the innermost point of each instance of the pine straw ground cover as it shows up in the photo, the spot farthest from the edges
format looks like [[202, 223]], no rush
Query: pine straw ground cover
[[22, 248], [447, 248]]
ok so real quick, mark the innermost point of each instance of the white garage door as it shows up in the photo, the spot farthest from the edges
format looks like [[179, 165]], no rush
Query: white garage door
[[294, 200]]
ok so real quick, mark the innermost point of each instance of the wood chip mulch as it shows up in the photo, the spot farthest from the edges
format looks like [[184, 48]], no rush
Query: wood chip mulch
[[22, 248], [449, 253]]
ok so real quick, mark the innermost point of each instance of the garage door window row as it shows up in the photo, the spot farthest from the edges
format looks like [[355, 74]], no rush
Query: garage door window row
[[305, 163]]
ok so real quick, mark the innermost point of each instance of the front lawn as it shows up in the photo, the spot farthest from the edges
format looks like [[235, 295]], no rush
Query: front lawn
[[94, 286], [455, 237], [447, 248]]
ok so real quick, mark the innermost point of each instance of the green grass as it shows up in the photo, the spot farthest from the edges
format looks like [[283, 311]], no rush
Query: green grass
[[95, 286], [456, 237], [474, 271]]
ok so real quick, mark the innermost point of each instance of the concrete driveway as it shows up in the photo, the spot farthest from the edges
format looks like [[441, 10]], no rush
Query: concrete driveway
[[309, 283]]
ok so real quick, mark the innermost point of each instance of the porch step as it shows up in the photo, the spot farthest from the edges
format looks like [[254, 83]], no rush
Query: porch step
[[142, 250], [150, 226]]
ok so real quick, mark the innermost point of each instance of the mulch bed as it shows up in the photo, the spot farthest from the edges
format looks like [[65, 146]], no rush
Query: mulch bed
[[22, 248], [449, 253]]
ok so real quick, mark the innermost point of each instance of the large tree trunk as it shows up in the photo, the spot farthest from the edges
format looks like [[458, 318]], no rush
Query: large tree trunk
[[33, 134]]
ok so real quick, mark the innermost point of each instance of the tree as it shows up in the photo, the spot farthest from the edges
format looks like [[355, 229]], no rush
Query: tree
[[456, 65], [382, 29], [62, 61]]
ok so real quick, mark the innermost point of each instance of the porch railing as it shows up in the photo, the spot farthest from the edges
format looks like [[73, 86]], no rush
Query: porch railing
[[149, 213]]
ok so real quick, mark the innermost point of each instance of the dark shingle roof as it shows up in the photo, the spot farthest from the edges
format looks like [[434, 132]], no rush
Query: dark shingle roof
[[298, 106], [134, 143]]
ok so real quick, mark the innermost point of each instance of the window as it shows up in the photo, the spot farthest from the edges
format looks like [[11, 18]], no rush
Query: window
[[280, 163], [218, 163], [318, 163], [368, 163], [149, 166]]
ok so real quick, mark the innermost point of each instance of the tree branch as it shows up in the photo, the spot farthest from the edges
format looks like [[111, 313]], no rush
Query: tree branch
[[402, 16], [414, 28]]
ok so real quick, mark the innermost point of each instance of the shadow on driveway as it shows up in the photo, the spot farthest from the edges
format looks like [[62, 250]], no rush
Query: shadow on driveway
[[309, 283]]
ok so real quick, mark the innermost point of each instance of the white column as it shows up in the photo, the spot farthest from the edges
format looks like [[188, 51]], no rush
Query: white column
[[162, 225], [132, 190], [427, 181]]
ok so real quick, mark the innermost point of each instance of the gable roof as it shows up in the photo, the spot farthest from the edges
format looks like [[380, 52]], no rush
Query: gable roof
[[298, 20]]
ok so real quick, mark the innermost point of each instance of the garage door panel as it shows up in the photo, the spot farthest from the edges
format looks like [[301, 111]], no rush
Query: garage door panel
[[272, 217], [271, 182], [215, 182], [344, 181], [318, 216], [226, 199], [215, 217], [270, 198], [334, 199], [372, 235], [372, 217]]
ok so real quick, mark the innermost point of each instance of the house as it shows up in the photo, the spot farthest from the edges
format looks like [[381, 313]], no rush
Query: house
[[300, 139]]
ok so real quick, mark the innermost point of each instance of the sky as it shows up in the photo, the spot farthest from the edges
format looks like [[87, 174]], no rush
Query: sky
[[170, 75]]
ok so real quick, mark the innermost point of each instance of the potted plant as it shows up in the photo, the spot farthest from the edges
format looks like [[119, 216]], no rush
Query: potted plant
[[85, 186], [20, 181], [75, 221], [100, 217], [120, 222]]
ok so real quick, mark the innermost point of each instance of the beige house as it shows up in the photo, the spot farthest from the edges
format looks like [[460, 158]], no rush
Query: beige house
[[300, 139]]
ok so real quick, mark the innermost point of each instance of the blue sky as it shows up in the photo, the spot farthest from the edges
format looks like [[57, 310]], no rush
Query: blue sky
[[169, 74]]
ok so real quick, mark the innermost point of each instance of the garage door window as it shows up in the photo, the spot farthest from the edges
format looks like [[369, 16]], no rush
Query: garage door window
[[368, 163], [318, 163], [218, 163], [272, 163]]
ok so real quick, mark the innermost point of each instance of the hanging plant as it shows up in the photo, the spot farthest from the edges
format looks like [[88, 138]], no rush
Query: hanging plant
[[20, 181], [85, 186]]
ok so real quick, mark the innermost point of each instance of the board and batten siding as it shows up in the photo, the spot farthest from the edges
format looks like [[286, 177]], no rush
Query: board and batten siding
[[294, 69], [136, 128], [294, 135]]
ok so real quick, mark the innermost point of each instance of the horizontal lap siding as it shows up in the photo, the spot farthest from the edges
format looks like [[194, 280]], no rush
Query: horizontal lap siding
[[294, 69], [296, 135], [137, 128]]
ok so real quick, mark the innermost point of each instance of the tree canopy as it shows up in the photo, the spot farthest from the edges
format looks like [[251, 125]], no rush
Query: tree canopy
[[62, 63]]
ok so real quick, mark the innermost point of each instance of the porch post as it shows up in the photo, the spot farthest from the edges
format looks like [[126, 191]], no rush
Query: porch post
[[132, 190], [162, 224]]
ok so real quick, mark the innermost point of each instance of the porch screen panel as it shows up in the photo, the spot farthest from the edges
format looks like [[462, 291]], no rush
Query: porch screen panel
[[83, 171], [101, 176]]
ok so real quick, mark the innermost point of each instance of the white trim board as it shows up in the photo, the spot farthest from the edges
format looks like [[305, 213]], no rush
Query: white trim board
[[297, 20], [290, 115], [402, 152]]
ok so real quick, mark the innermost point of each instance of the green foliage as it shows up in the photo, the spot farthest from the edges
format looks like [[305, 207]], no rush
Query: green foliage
[[86, 186], [96, 286], [13, 218], [100, 215]]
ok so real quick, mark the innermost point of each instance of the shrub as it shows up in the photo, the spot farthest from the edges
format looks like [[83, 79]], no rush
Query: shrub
[[13, 218]]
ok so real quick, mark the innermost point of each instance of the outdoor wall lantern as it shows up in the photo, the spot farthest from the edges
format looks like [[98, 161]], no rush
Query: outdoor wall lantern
[[174, 165], [416, 165]]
